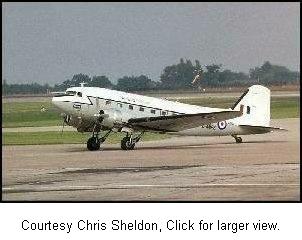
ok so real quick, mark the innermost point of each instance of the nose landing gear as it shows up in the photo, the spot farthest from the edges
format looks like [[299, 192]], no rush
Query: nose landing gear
[[94, 142]]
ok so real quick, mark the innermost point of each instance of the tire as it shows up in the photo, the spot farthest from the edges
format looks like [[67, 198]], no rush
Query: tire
[[93, 144], [238, 140], [126, 145]]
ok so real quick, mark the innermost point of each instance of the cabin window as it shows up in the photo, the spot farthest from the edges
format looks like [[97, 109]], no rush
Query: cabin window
[[248, 110], [130, 107], [79, 94], [120, 105], [164, 113], [141, 109], [153, 111], [108, 102]]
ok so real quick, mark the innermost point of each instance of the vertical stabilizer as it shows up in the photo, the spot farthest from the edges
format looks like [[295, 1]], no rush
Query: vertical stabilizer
[[256, 106]]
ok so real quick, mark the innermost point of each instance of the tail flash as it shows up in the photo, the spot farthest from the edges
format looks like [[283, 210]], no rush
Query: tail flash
[[256, 106]]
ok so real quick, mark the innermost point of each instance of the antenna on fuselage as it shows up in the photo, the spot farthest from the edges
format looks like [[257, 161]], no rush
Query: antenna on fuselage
[[82, 84]]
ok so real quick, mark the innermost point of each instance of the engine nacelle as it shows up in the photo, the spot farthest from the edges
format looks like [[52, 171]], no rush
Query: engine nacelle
[[111, 118], [72, 121]]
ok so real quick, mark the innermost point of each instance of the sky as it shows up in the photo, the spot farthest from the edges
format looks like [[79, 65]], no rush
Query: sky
[[50, 42]]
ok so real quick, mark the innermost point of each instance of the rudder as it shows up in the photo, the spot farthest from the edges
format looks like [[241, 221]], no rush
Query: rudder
[[256, 102]]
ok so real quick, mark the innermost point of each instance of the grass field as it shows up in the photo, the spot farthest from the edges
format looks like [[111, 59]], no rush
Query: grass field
[[281, 107], [33, 138], [29, 114]]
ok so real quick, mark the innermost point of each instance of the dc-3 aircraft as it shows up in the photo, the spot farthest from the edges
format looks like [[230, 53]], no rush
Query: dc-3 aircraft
[[92, 109]]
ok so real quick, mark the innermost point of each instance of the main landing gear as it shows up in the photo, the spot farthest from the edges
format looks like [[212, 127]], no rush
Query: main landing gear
[[128, 142], [238, 139], [95, 142]]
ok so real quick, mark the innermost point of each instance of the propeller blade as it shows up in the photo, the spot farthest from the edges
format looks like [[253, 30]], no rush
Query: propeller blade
[[63, 125]]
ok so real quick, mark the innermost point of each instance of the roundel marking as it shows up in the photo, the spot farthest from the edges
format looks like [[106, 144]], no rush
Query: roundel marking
[[222, 125]]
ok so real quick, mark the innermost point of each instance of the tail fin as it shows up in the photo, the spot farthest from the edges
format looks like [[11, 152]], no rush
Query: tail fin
[[256, 102]]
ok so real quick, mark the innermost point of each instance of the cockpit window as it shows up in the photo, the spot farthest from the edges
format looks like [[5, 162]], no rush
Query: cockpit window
[[70, 93], [79, 94], [67, 93]]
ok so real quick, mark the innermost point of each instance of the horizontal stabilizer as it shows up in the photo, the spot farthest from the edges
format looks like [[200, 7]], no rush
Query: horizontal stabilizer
[[260, 129]]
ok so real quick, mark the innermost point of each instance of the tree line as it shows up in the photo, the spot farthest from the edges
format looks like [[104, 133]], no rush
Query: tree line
[[174, 77]]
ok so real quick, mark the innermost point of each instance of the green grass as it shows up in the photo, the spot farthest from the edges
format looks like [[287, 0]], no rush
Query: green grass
[[210, 102], [285, 108], [281, 107], [29, 114], [40, 138]]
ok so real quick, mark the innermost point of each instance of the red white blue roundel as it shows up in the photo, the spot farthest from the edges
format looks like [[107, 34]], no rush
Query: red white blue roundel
[[222, 125]]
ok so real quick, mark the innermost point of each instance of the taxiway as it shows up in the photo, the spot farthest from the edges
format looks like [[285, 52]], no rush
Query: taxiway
[[263, 168]]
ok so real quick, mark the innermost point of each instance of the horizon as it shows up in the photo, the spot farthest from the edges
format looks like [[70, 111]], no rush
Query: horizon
[[115, 82]]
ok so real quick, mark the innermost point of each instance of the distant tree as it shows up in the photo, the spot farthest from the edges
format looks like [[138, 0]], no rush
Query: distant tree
[[227, 78], [100, 81], [32, 88], [179, 76], [74, 82], [176, 76], [215, 76], [4, 87], [212, 74], [140, 83], [269, 74]]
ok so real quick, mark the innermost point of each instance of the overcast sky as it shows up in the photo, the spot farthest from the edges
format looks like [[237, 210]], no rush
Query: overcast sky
[[49, 42]]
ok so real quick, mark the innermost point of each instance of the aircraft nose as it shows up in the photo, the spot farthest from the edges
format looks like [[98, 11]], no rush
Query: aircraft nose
[[57, 102]]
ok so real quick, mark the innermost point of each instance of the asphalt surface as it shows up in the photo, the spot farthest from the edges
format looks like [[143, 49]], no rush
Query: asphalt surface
[[263, 168]]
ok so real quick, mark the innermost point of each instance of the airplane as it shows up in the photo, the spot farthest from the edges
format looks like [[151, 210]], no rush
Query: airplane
[[101, 110]]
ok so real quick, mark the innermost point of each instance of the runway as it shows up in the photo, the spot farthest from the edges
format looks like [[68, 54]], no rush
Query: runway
[[263, 168]]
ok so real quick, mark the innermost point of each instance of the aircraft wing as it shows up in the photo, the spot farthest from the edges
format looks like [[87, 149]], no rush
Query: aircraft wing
[[181, 122]]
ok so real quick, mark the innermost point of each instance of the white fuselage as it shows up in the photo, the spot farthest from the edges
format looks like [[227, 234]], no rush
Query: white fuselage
[[84, 103]]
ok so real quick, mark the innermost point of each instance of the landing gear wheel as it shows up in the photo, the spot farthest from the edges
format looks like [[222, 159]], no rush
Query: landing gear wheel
[[238, 140], [126, 144], [93, 144]]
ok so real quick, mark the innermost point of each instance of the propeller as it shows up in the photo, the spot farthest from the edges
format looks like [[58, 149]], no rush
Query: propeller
[[64, 121], [63, 125], [101, 115]]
